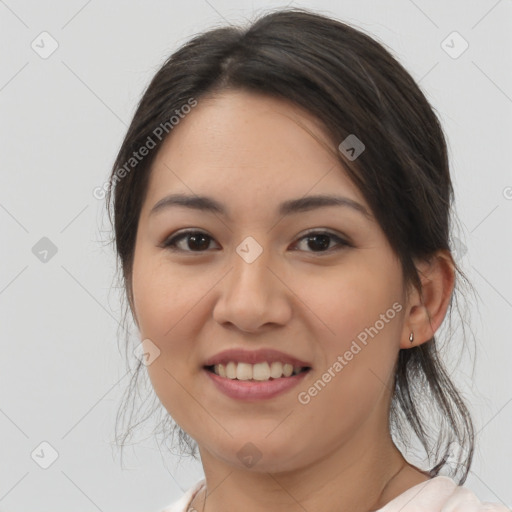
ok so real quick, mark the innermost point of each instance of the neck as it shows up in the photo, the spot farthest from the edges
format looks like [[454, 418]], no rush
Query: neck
[[355, 477]]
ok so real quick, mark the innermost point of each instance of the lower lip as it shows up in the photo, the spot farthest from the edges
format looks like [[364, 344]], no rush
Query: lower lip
[[254, 390]]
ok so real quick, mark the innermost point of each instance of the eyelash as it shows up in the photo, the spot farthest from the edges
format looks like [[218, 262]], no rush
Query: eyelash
[[171, 242]]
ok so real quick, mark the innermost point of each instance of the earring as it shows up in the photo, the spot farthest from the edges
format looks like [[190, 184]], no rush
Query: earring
[[411, 337]]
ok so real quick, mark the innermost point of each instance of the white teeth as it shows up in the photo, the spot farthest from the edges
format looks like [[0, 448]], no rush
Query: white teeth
[[244, 371], [260, 371], [287, 369], [231, 370], [276, 369]]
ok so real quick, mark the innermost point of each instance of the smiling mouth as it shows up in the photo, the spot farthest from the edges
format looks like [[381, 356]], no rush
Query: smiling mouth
[[258, 372]]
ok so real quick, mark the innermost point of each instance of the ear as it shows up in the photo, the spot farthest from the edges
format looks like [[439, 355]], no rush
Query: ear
[[425, 311]]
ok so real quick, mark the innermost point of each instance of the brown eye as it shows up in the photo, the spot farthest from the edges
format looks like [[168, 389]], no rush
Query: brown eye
[[195, 241], [319, 241]]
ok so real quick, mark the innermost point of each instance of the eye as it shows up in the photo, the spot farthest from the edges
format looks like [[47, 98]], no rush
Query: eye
[[320, 241], [199, 241], [196, 241]]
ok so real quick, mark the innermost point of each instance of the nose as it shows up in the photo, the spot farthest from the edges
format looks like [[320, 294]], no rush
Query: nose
[[253, 296]]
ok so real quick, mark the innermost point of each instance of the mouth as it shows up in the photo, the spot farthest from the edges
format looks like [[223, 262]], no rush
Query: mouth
[[250, 375], [259, 372]]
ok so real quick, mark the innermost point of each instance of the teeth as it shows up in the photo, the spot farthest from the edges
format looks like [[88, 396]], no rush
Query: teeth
[[287, 369], [260, 371], [276, 369], [244, 371], [230, 370], [220, 369]]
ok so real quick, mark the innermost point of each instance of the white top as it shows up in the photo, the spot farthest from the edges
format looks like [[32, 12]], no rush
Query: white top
[[439, 494]]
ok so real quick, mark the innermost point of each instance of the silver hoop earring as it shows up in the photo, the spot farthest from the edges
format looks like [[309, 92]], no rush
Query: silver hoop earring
[[411, 337]]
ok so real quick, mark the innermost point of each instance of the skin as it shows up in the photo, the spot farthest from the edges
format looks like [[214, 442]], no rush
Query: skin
[[251, 152]]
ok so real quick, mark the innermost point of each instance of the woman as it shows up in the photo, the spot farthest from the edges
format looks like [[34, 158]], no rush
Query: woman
[[281, 210]]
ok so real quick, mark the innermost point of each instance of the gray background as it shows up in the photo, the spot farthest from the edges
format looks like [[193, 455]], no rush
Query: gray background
[[62, 120]]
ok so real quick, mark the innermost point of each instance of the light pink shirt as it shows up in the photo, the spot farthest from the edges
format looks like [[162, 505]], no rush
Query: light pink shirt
[[439, 494]]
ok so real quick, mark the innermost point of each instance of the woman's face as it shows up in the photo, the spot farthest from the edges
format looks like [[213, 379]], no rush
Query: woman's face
[[252, 281]]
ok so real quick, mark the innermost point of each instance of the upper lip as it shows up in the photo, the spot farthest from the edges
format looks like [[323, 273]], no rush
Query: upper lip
[[241, 355]]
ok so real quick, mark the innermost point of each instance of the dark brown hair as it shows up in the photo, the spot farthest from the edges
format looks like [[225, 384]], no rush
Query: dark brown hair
[[353, 85]]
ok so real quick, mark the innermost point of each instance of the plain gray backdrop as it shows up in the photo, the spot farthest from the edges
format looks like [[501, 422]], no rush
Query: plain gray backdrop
[[71, 75]]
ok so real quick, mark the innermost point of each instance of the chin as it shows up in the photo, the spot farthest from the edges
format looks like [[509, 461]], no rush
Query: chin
[[261, 455]]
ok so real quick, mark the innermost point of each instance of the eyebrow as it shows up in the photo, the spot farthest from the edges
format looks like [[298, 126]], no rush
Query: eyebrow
[[303, 204]]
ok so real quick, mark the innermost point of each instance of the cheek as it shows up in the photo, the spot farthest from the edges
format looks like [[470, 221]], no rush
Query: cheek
[[161, 296], [169, 308], [163, 305], [352, 300], [362, 313], [354, 376]]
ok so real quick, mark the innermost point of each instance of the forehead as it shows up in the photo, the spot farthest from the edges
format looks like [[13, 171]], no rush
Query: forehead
[[248, 144]]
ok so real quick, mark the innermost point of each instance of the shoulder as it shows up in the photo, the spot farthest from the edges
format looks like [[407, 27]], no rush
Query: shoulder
[[440, 494], [183, 503]]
